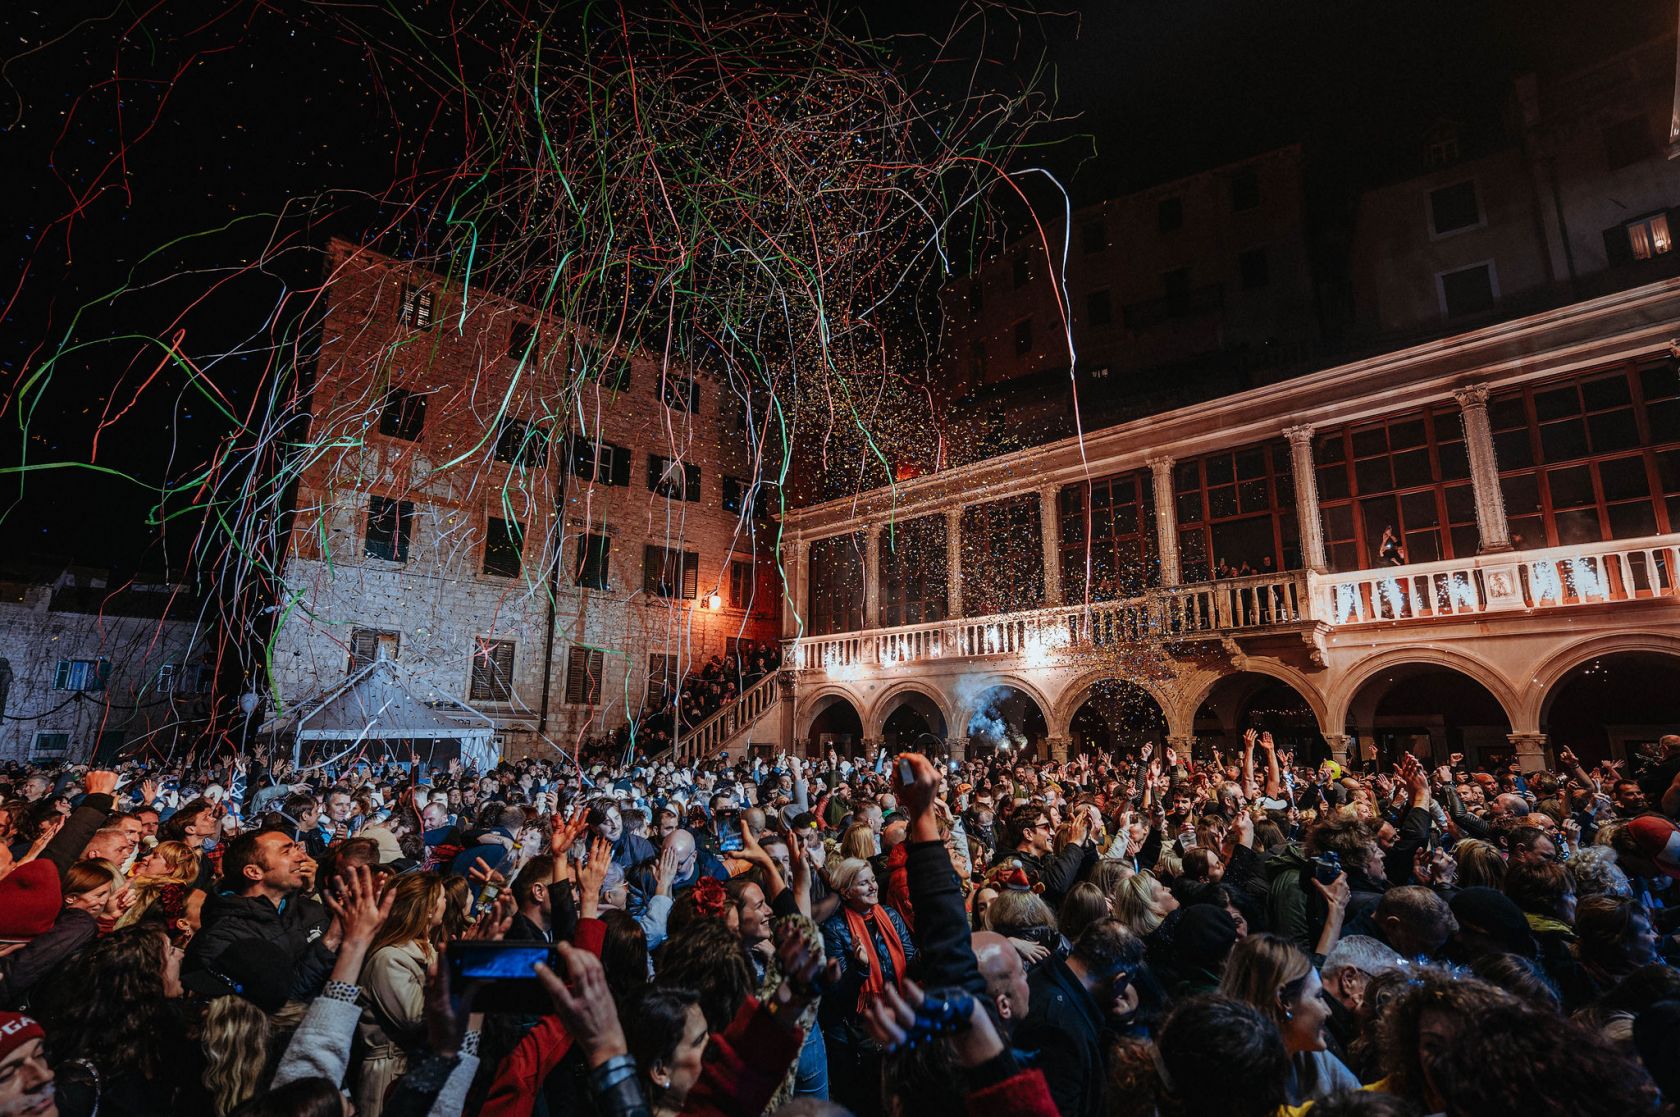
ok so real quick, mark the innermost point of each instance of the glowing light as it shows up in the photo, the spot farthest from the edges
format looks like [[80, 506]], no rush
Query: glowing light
[[715, 601]]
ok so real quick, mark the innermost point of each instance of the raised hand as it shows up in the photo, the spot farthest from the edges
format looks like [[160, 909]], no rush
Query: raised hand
[[100, 781], [1337, 893], [891, 1019], [491, 925], [357, 906], [566, 834], [1250, 737], [482, 874], [1266, 741], [584, 1004]]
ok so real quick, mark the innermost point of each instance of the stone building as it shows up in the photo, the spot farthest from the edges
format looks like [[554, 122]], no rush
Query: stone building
[[89, 666], [550, 527], [1530, 472]]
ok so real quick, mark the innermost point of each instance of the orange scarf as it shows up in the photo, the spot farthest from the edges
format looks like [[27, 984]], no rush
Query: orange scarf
[[858, 925]]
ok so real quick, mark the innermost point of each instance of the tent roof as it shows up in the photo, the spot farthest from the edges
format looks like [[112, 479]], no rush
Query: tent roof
[[384, 700]]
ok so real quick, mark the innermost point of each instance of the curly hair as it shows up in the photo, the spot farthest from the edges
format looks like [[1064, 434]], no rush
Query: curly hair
[[707, 957], [109, 1007], [1428, 989], [1596, 873], [235, 1042], [1520, 1060], [1349, 838]]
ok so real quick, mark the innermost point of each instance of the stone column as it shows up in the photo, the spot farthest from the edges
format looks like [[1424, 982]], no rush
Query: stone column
[[1531, 750], [1058, 749], [1340, 744], [1484, 469], [953, 562], [1308, 521], [1050, 525], [797, 563], [1166, 519], [872, 576], [959, 748]]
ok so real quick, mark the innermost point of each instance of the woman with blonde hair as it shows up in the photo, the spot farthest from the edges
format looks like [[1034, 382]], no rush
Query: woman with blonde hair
[[235, 1042], [394, 984], [1480, 864], [858, 842], [1275, 976], [1142, 903], [161, 880], [875, 951]]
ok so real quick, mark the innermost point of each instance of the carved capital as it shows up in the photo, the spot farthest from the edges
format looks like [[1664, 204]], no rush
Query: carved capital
[[1300, 435], [1476, 395], [1162, 464]]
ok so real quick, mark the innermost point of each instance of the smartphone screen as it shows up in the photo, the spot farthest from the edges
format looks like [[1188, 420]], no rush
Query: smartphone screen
[[499, 976]]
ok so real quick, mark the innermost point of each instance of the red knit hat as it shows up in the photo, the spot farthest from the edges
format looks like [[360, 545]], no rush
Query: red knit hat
[[29, 900], [1659, 839], [16, 1029]]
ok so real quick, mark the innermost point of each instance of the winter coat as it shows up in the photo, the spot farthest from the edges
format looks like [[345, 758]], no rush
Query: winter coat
[[294, 930]]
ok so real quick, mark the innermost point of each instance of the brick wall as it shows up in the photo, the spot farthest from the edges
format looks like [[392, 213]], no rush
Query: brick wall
[[440, 603]]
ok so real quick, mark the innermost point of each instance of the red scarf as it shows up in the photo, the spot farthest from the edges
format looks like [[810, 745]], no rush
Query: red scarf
[[858, 925]]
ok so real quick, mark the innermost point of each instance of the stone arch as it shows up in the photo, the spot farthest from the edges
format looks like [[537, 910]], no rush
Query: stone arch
[[1076, 693], [1195, 696], [812, 705], [1542, 684], [1342, 696], [1226, 705], [963, 706], [876, 718]]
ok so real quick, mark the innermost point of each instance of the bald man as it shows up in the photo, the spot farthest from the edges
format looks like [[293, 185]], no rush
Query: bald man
[[692, 862], [1006, 978]]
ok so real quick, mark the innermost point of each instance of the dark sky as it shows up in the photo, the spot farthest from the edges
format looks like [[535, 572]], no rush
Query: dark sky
[[147, 157]]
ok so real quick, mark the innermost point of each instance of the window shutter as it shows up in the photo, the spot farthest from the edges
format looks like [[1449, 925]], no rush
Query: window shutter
[[620, 466], [61, 676], [583, 676], [364, 647], [653, 562], [691, 482], [690, 574]]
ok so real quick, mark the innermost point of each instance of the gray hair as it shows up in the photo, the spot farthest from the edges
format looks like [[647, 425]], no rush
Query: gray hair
[[1597, 873], [1363, 953]]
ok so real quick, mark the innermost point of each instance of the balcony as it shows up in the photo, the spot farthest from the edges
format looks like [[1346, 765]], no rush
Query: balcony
[[1299, 602], [1206, 610]]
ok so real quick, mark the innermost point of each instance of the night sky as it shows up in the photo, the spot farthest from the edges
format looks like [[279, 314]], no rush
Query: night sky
[[152, 155]]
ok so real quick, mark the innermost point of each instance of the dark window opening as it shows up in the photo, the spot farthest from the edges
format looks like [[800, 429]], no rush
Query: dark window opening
[[403, 415], [504, 548]]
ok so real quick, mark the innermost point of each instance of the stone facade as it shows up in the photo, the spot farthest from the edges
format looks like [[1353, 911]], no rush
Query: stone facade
[[1506, 620], [89, 667], [438, 609]]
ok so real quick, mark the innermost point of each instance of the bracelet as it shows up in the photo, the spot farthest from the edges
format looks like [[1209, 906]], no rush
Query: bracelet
[[469, 1043], [612, 1072], [341, 991]]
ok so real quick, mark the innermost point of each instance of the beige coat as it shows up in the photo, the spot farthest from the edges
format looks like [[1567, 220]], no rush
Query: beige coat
[[394, 999]]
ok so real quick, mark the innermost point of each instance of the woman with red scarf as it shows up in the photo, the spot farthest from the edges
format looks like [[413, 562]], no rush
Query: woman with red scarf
[[875, 947]]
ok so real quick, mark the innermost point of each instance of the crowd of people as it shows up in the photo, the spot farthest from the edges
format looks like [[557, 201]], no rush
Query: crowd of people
[[1148, 933], [699, 695]]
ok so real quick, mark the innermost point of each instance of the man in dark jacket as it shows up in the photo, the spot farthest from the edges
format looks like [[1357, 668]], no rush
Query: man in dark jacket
[[1029, 838], [262, 881], [1070, 1003]]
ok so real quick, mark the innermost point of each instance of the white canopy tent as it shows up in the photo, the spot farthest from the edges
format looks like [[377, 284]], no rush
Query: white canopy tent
[[384, 701]]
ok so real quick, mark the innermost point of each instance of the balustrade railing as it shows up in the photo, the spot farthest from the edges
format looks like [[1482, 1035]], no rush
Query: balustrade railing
[[1592, 573], [1206, 608], [712, 734]]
